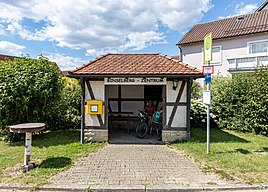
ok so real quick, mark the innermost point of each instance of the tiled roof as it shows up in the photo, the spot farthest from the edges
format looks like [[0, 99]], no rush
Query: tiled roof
[[176, 57], [65, 73], [230, 27], [8, 57], [135, 64]]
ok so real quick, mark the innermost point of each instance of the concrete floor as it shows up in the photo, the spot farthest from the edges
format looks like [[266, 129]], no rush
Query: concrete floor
[[120, 136]]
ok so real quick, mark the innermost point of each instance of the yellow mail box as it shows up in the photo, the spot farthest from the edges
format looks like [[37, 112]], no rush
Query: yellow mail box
[[94, 107]]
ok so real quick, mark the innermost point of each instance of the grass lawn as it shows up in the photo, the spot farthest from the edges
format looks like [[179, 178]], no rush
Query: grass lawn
[[233, 154], [51, 152]]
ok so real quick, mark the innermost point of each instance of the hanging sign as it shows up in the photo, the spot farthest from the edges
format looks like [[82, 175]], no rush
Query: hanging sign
[[206, 97], [208, 47], [135, 81], [208, 69]]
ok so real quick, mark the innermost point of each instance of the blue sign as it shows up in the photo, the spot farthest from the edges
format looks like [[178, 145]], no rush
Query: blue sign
[[208, 78]]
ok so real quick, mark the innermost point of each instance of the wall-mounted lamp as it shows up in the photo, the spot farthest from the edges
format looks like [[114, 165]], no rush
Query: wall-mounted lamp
[[175, 84]]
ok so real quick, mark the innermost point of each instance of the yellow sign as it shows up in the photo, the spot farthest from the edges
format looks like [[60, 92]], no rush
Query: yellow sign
[[94, 107], [208, 47]]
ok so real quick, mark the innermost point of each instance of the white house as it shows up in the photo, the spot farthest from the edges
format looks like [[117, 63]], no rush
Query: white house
[[240, 43]]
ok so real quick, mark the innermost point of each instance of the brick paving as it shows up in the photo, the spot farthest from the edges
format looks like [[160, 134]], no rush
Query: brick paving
[[136, 166]]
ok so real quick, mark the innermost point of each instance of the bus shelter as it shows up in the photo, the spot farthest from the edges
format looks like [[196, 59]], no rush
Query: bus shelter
[[116, 86]]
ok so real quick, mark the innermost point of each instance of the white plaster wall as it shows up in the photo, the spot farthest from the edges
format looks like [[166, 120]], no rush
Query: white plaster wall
[[231, 47], [172, 94], [181, 113], [180, 116], [98, 90]]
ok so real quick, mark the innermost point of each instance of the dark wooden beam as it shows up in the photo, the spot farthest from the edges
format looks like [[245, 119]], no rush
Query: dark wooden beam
[[189, 85], [93, 98], [119, 98], [177, 129], [164, 118], [96, 127], [179, 104], [176, 104], [126, 99], [106, 93], [82, 82]]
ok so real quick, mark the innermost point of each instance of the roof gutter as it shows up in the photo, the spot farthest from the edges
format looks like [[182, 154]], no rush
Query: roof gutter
[[180, 52], [137, 75]]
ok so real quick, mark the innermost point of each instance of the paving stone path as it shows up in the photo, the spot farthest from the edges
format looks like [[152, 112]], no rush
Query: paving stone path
[[126, 166]]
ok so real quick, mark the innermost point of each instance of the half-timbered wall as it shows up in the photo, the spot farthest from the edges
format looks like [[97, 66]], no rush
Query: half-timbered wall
[[98, 91], [180, 117]]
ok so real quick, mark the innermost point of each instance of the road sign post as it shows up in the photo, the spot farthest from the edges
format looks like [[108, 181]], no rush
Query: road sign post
[[208, 70]]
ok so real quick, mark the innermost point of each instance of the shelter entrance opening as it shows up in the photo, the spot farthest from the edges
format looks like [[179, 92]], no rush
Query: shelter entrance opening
[[124, 103]]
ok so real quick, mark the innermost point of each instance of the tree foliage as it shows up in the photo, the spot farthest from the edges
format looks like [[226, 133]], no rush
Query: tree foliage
[[33, 90]]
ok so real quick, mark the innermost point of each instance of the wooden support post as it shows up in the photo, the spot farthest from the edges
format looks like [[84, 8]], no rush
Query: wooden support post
[[189, 85], [164, 115], [106, 122], [82, 136], [119, 98]]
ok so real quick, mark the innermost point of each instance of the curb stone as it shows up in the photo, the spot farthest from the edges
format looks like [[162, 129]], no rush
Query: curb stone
[[139, 188]]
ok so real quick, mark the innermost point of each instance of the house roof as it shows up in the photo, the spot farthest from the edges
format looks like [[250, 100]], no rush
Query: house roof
[[8, 57], [136, 64], [263, 6], [230, 27], [65, 73]]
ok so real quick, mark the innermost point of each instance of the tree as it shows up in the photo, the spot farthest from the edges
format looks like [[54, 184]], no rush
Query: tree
[[28, 90]]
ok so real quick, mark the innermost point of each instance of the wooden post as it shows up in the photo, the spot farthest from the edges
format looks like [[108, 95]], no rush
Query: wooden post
[[164, 115], [189, 85], [82, 137], [106, 122]]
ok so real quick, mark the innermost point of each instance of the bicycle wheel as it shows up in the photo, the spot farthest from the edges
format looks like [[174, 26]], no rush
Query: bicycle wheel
[[141, 130]]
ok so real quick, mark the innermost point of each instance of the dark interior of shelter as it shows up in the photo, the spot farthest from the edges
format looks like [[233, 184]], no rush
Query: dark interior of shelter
[[124, 104]]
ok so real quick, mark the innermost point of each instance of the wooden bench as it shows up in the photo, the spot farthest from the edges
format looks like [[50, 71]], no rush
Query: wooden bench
[[121, 118]]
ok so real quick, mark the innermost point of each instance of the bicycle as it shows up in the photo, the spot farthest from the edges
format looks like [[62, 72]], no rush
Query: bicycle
[[142, 128]]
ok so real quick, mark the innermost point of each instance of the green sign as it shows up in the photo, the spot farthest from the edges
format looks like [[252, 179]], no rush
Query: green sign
[[208, 47]]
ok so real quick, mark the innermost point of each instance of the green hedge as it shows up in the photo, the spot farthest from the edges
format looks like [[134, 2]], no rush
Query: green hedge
[[33, 90], [240, 102]]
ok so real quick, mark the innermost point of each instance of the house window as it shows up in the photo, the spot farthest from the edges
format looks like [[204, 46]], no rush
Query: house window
[[216, 55], [258, 47]]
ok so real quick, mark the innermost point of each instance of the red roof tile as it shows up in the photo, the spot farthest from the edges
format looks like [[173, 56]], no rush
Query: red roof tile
[[7, 57], [230, 27], [135, 64]]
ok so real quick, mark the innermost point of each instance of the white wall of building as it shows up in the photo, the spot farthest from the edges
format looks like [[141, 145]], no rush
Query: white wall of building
[[180, 117], [98, 90], [234, 47]]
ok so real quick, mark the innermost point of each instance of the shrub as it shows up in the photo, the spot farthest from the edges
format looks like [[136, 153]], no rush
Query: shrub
[[198, 117], [29, 87], [196, 91], [240, 102], [33, 90], [66, 113]]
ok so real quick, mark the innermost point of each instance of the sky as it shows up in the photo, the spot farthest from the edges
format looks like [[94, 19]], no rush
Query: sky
[[72, 33]]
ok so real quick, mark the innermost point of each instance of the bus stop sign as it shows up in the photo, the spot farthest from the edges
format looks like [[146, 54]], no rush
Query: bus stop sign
[[208, 78]]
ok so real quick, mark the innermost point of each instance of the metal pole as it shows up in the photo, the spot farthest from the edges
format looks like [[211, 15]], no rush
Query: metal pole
[[208, 120], [208, 125]]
